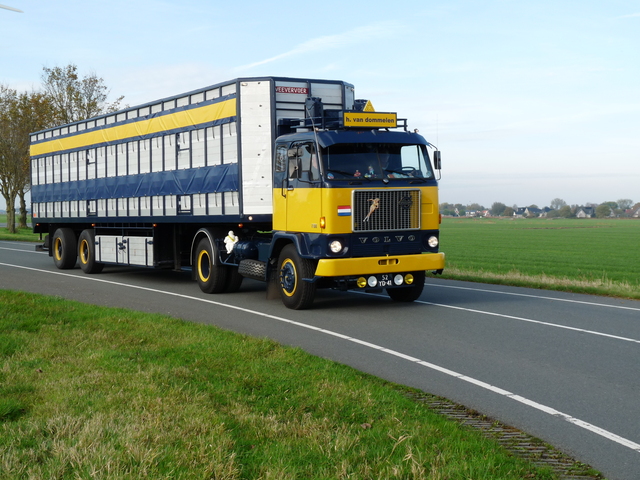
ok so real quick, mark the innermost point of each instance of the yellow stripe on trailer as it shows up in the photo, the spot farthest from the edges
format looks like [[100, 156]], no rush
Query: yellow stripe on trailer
[[161, 123], [340, 267]]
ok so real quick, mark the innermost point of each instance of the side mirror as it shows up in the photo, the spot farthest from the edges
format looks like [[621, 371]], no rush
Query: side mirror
[[437, 160]]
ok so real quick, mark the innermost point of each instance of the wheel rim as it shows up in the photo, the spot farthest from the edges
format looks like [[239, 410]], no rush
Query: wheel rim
[[288, 277], [57, 248], [204, 266], [84, 251]]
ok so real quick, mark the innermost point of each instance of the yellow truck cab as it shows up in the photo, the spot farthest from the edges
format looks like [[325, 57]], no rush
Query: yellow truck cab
[[360, 205]]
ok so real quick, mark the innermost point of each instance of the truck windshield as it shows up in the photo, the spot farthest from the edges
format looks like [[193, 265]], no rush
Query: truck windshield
[[376, 161]]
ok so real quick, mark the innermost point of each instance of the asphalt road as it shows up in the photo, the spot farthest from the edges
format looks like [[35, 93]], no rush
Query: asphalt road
[[561, 367]]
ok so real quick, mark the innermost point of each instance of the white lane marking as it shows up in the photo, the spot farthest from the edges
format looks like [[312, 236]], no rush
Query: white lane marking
[[505, 393], [485, 290], [529, 320], [21, 250]]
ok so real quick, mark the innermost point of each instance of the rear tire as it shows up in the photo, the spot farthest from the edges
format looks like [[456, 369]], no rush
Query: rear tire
[[411, 293], [211, 276], [87, 253], [63, 248], [296, 293]]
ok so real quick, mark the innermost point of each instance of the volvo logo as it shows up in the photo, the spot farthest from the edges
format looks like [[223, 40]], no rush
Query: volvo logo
[[387, 239], [405, 203]]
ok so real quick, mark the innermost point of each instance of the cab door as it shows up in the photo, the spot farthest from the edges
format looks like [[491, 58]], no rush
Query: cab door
[[297, 189]]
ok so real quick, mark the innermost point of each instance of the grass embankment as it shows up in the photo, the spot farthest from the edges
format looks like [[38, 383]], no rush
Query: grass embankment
[[578, 255], [21, 235], [89, 392]]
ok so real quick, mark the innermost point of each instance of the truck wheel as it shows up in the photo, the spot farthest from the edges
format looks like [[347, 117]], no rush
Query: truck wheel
[[234, 280], [64, 248], [211, 277], [411, 293], [87, 253], [294, 291]]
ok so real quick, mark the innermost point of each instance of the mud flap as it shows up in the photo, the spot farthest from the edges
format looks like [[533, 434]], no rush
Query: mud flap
[[273, 287]]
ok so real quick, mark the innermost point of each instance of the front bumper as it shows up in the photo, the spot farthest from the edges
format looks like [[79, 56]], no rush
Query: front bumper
[[342, 267]]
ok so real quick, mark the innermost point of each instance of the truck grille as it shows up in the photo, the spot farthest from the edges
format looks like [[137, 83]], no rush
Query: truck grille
[[384, 210]]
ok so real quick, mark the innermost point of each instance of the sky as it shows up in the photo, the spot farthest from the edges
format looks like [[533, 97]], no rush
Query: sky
[[527, 101]]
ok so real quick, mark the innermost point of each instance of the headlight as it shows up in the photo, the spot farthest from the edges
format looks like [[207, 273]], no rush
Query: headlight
[[398, 279], [372, 281], [433, 242], [335, 246]]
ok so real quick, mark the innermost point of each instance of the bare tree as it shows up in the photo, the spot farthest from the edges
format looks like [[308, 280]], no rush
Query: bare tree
[[20, 114], [557, 203], [625, 203], [76, 98], [9, 151], [66, 98]]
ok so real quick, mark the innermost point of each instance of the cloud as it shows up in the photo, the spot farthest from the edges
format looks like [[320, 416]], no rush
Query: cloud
[[329, 42]]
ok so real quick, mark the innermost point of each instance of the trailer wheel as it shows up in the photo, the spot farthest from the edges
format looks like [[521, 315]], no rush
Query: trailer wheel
[[234, 280], [211, 276], [64, 248], [294, 291], [411, 293], [87, 253]]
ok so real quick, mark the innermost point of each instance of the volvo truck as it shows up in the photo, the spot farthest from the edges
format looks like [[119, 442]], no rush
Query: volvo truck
[[293, 182]]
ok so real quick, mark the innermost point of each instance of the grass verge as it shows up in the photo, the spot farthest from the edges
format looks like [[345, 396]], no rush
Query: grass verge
[[109, 393], [603, 286], [21, 235]]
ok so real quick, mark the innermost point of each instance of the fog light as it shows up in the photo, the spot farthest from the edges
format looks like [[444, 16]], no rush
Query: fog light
[[433, 242], [361, 282], [398, 279], [372, 281], [408, 279], [335, 246]]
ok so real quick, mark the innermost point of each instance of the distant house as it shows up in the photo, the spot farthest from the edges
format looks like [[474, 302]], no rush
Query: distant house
[[634, 212], [527, 212], [545, 211], [519, 212], [478, 213], [532, 212], [585, 212]]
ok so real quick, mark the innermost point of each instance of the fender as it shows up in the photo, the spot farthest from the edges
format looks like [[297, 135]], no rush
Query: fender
[[303, 241], [196, 238]]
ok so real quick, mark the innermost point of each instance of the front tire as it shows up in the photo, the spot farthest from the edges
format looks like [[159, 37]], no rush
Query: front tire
[[211, 276], [87, 253], [411, 293], [296, 293], [64, 248]]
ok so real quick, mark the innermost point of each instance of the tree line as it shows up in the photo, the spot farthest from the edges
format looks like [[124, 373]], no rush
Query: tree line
[[65, 97], [558, 208]]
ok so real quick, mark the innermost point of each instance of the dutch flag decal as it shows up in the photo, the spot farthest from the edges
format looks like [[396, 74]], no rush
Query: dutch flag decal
[[344, 211]]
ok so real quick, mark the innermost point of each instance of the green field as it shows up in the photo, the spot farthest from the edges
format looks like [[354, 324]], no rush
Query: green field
[[581, 255]]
